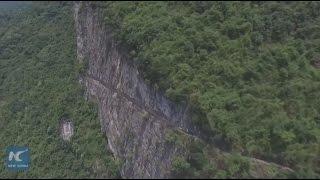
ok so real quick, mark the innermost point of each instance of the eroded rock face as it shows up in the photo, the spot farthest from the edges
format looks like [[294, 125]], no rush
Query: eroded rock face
[[133, 116]]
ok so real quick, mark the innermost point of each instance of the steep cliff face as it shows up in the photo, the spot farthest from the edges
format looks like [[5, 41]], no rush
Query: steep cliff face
[[134, 117]]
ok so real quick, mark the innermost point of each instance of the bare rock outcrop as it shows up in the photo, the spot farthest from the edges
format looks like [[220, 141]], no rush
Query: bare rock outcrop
[[134, 117]]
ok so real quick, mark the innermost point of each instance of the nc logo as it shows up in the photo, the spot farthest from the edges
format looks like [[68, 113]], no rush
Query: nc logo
[[18, 158], [16, 155]]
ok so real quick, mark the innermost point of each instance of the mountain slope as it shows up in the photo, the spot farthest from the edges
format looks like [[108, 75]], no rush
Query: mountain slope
[[152, 135], [39, 86], [247, 72], [246, 69]]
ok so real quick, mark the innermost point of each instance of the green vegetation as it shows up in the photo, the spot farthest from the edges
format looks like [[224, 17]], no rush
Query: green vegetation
[[38, 86], [245, 67], [206, 161]]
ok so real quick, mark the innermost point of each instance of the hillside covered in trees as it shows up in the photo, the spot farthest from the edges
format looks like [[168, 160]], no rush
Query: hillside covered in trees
[[39, 86], [248, 69]]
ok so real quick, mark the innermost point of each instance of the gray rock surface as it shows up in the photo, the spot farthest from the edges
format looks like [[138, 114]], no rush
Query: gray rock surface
[[134, 117]]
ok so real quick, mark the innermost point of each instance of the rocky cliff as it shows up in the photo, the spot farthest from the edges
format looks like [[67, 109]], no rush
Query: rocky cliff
[[134, 117]]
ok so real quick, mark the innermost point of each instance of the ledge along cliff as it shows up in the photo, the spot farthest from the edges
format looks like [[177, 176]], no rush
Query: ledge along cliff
[[134, 117]]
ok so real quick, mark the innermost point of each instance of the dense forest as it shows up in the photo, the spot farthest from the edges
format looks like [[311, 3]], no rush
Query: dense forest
[[248, 69], [39, 86]]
